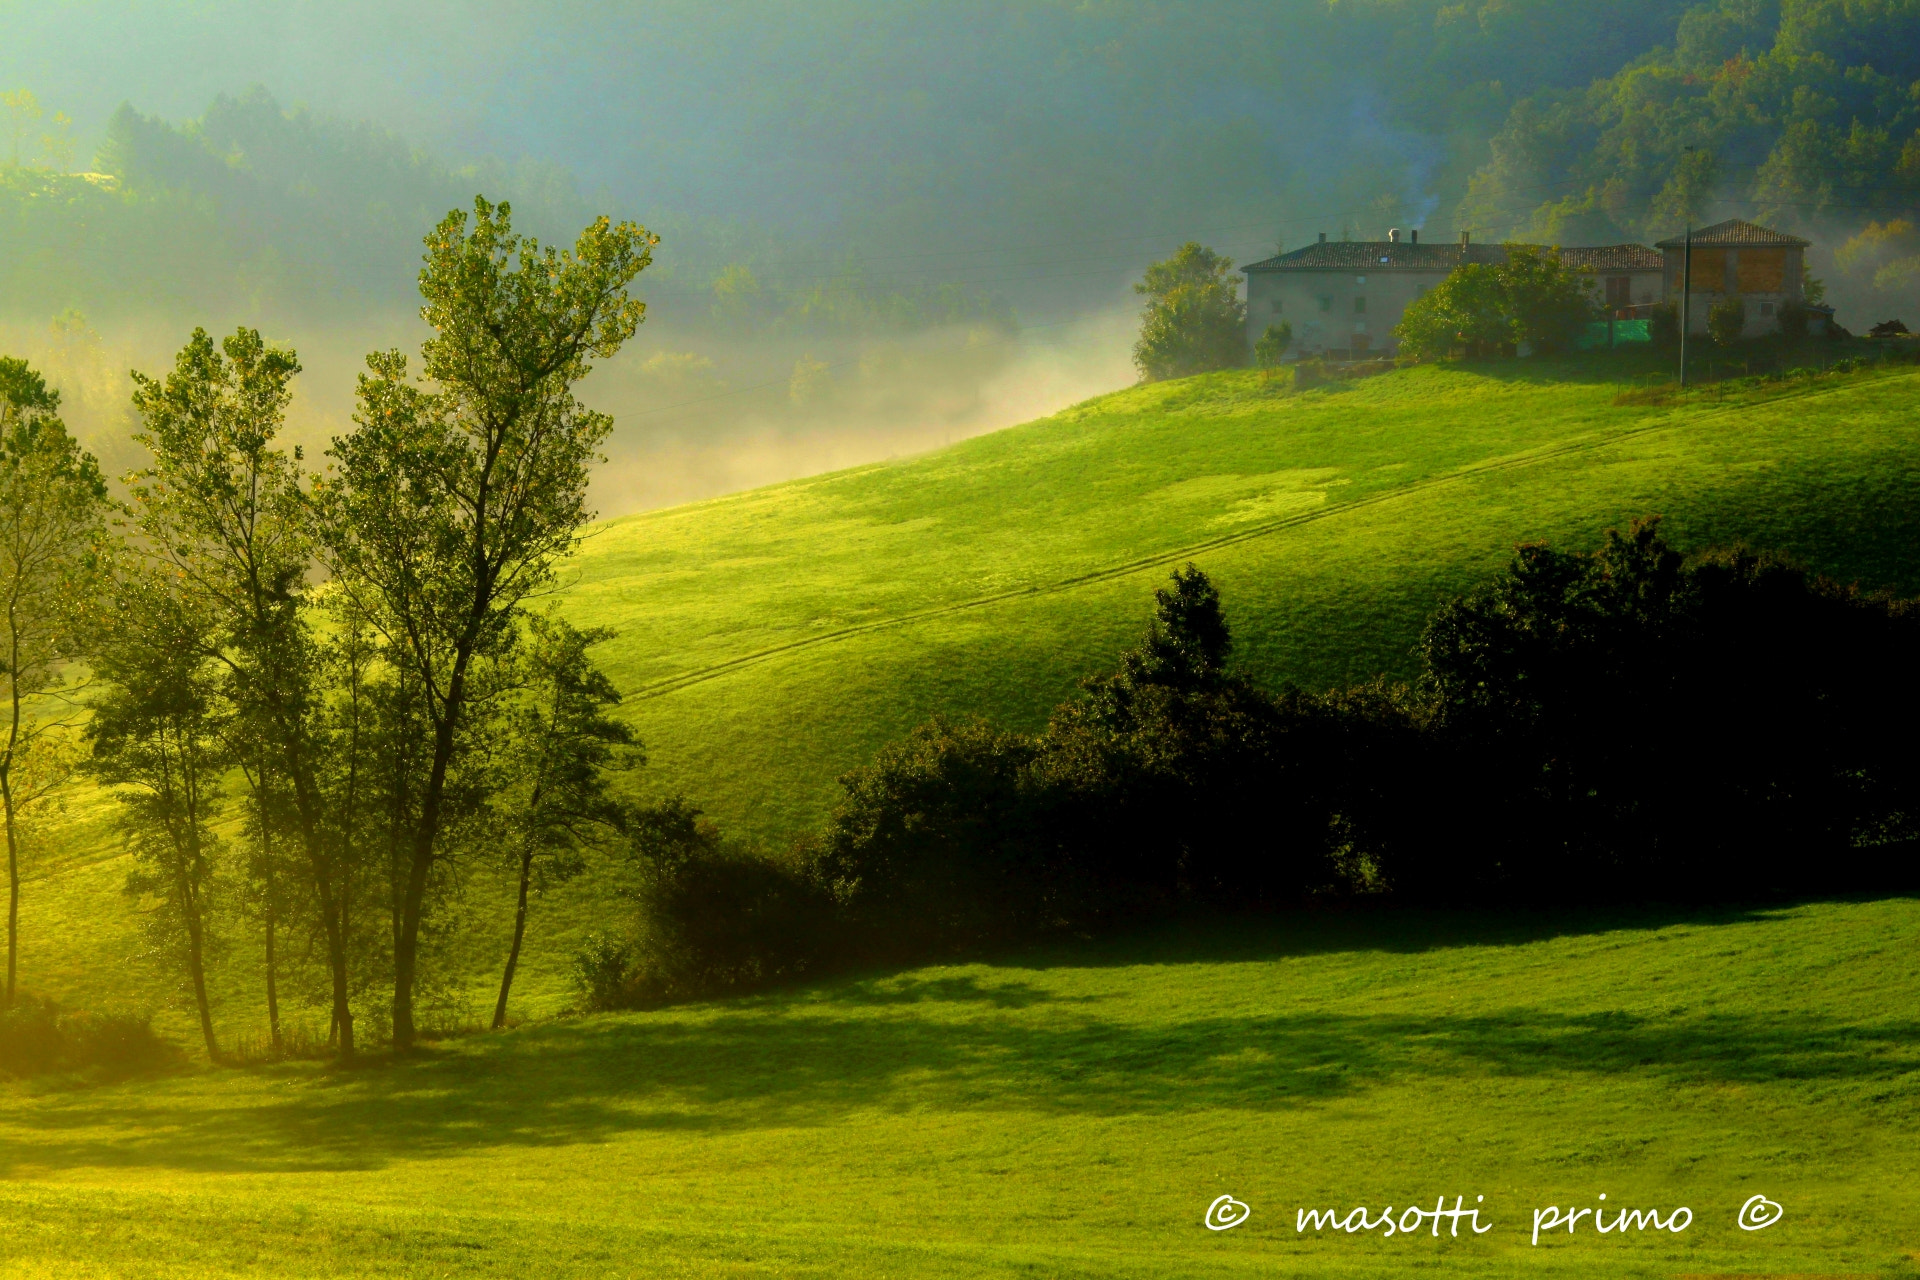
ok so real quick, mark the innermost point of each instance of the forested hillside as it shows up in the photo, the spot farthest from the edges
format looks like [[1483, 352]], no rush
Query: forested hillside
[[1798, 114], [826, 161]]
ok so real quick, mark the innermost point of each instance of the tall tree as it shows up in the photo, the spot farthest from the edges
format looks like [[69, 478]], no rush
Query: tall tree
[[450, 505], [1194, 321], [564, 746], [52, 508], [156, 736], [221, 508]]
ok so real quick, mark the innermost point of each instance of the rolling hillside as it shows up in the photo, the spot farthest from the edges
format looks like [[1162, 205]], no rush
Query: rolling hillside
[[773, 639]]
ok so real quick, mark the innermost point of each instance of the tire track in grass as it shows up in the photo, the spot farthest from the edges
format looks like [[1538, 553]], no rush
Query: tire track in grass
[[1160, 559]]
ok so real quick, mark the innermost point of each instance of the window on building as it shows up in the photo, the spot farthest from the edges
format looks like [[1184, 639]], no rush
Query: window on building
[[1360, 305], [1360, 280], [1326, 302]]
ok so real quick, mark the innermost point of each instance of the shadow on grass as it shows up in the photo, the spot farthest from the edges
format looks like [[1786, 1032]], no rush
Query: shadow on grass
[[943, 1042], [1381, 927]]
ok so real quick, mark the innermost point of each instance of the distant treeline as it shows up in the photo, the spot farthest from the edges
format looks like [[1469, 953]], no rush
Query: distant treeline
[[250, 208], [1626, 726], [989, 145], [273, 213]]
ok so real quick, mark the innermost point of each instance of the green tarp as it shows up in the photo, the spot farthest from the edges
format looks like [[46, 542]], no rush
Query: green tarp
[[1624, 331]]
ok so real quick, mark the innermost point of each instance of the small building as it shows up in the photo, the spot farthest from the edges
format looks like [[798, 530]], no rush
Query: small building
[[1762, 266], [1344, 297]]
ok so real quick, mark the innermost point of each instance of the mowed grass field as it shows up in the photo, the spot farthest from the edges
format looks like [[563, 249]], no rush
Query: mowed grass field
[[1068, 1114]]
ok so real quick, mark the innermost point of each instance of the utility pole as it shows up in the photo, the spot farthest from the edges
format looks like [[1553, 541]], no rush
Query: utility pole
[[1686, 299], [1686, 285]]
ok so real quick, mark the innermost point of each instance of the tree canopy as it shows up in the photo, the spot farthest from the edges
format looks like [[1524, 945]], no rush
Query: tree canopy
[[1194, 320], [1532, 297]]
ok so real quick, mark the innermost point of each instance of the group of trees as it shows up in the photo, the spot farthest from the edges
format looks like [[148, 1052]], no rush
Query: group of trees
[[1625, 725], [352, 648], [1804, 114]]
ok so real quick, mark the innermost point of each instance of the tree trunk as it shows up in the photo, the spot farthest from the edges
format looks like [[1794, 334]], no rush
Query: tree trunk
[[519, 932], [266, 875], [342, 1007], [332, 910], [13, 888], [6, 798], [196, 967], [407, 947], [196, 962], [273, 991]]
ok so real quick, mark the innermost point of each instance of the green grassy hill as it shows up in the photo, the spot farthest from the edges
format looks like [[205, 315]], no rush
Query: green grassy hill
[[773, 639], [1066, 1114]]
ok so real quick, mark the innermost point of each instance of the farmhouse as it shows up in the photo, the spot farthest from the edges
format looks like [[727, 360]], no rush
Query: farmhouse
[[1343, 297], [1765, 268]]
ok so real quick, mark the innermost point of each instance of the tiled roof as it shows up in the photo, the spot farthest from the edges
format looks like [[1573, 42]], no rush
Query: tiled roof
[[1388, 255], [1613, 257], [1375, 255], [1735, 231]]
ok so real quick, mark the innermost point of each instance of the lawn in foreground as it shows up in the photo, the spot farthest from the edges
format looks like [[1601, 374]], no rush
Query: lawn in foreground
[[1069, 1113]]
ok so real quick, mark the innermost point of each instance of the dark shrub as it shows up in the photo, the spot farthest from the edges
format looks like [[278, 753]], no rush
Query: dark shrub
[[1169, 780], [1663, 325], [711, 920], [30, 1038], [939, 843], [722, 921], [1628, 725], [1727, 320], [1362, 790], [36, 1038]]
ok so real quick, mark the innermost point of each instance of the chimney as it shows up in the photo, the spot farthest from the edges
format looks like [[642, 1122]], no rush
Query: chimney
[[1415, 233], [1393, 236], [1466, 237], [1323, 237]]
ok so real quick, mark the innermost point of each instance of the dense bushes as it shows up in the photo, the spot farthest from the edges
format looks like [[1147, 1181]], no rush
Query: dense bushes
[[1629, 725], [37, 1038], [1624, 725], [709, 919]]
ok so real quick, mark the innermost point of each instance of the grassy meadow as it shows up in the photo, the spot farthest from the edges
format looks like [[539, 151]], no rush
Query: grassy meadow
[[770, 640], [1067, 1114]]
